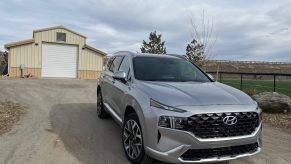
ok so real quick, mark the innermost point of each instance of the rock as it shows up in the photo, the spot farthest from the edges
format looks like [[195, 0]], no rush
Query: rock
[[273, 102]]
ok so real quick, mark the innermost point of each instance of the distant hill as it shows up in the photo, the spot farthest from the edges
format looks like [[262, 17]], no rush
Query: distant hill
[[247, 66]]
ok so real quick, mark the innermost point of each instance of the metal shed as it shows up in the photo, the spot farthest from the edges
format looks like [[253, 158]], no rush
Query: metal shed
[[55, 52]]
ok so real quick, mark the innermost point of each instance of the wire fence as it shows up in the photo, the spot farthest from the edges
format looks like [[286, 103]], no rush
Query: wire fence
[[277, 82]]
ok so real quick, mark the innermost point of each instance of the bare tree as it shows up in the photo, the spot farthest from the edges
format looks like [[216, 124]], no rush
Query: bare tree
[[202, 33]]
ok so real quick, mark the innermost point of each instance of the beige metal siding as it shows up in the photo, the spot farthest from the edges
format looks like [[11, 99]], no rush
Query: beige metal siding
[[90, 60], [15, 72], [25, 54], [90, 63], [88, 74], [30, 54], [51, 36]]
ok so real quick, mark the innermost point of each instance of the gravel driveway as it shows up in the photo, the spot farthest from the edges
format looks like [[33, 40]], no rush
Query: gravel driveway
[[61, 127]]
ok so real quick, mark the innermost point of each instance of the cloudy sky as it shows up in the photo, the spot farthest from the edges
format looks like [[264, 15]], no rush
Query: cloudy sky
[[242, 29]]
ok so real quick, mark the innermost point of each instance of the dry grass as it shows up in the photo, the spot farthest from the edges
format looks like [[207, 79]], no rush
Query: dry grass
[[10, 114], [279, 120], [251, 92]]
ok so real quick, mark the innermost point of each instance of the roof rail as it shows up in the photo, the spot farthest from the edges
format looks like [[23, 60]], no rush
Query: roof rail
[[185, 57], [122, 52]]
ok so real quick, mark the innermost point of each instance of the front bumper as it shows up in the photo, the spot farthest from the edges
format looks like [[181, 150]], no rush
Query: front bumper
[[177, 142], [169, 156], [167, 144]]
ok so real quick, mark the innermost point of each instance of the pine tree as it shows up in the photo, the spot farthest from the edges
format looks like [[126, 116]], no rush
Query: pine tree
[[3, 57], [155, 44], [195, 52]]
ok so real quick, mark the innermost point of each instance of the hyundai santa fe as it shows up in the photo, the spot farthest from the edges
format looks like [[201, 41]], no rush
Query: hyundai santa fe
[[172, 111]]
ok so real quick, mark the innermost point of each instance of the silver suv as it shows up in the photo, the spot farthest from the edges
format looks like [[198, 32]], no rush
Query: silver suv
[[170, 110]]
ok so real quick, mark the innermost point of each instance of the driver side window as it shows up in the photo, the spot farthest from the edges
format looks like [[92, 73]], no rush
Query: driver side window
[[115, 63], [124, 66]]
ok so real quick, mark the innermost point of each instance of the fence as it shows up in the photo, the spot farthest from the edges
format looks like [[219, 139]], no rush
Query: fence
[[277, 82]]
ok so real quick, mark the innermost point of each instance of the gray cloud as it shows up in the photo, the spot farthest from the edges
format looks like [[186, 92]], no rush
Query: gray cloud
[[244, 30]]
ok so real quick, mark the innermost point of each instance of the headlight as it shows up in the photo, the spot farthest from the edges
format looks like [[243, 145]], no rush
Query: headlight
[[165, 107], [260, 112], [172, 122]]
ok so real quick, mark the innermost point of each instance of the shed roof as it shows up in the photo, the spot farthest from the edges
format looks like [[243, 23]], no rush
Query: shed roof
[[18, 43], [28, 41], [58, 27], [94, 49]]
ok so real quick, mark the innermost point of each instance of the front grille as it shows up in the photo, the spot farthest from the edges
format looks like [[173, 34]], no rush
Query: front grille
[[233, 151], [211, 125]]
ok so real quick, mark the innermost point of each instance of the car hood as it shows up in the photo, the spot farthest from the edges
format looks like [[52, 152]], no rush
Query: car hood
[[194, 93]]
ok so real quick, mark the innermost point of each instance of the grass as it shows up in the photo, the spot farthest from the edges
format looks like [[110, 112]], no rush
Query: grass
[[261, 85]]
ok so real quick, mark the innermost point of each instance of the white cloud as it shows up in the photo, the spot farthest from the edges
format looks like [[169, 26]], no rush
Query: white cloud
[[245, 29]]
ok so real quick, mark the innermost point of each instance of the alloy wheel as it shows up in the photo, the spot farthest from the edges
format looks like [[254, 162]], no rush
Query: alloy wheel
[[132, 139]]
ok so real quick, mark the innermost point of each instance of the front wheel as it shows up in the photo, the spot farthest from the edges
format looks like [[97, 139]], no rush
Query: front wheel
[[133, 141]]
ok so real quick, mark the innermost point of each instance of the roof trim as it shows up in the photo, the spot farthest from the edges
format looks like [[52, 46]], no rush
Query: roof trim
[[18, 43], [58, 27], [94, 49]]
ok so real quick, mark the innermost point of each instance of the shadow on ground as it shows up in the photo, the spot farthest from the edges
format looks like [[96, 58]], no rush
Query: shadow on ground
[[88, 138]]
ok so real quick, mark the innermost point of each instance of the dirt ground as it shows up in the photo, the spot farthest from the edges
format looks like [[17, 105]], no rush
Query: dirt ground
[[10, 114], [61, 127]]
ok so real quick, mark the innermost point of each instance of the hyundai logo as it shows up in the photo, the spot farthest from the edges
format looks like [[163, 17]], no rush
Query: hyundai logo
[[229, 120]]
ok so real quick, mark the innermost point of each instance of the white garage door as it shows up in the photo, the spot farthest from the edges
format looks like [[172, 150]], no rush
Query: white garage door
[[59, 60]]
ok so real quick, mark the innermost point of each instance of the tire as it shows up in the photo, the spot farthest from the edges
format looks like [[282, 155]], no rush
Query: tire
[[132, 141], [101, 112]]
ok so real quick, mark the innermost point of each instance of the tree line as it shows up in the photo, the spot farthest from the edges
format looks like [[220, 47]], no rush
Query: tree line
[[195, 50], [198, 50]]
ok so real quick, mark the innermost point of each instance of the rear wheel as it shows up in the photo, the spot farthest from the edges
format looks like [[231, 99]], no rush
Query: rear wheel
[[133, 141], [101, 112]]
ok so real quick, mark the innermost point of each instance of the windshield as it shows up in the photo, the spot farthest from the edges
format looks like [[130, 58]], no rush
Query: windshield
[[166, 69]]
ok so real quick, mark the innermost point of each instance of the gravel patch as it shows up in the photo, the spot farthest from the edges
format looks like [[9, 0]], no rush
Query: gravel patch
[[10, 114], [279, 120]]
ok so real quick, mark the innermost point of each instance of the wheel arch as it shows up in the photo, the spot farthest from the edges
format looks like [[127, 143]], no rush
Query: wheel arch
[[134, 107], [98, 88], [128, 110]]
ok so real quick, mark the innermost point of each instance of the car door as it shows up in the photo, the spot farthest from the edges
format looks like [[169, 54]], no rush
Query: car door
[[121, 88], [104, 82], [110, 83]]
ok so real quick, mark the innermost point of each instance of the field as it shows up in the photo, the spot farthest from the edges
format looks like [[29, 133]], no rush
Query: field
[[283, 86]]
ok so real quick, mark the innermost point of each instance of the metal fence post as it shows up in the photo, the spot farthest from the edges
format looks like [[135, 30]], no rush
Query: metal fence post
[[219, 76], [274, 83], [241, 82]]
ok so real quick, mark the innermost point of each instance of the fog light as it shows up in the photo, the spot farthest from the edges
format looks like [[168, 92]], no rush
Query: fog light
[[165, 122], [179, 123]]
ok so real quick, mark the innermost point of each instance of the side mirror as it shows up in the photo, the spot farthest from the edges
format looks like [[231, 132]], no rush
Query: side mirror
[[211, 77], [120, 75]]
